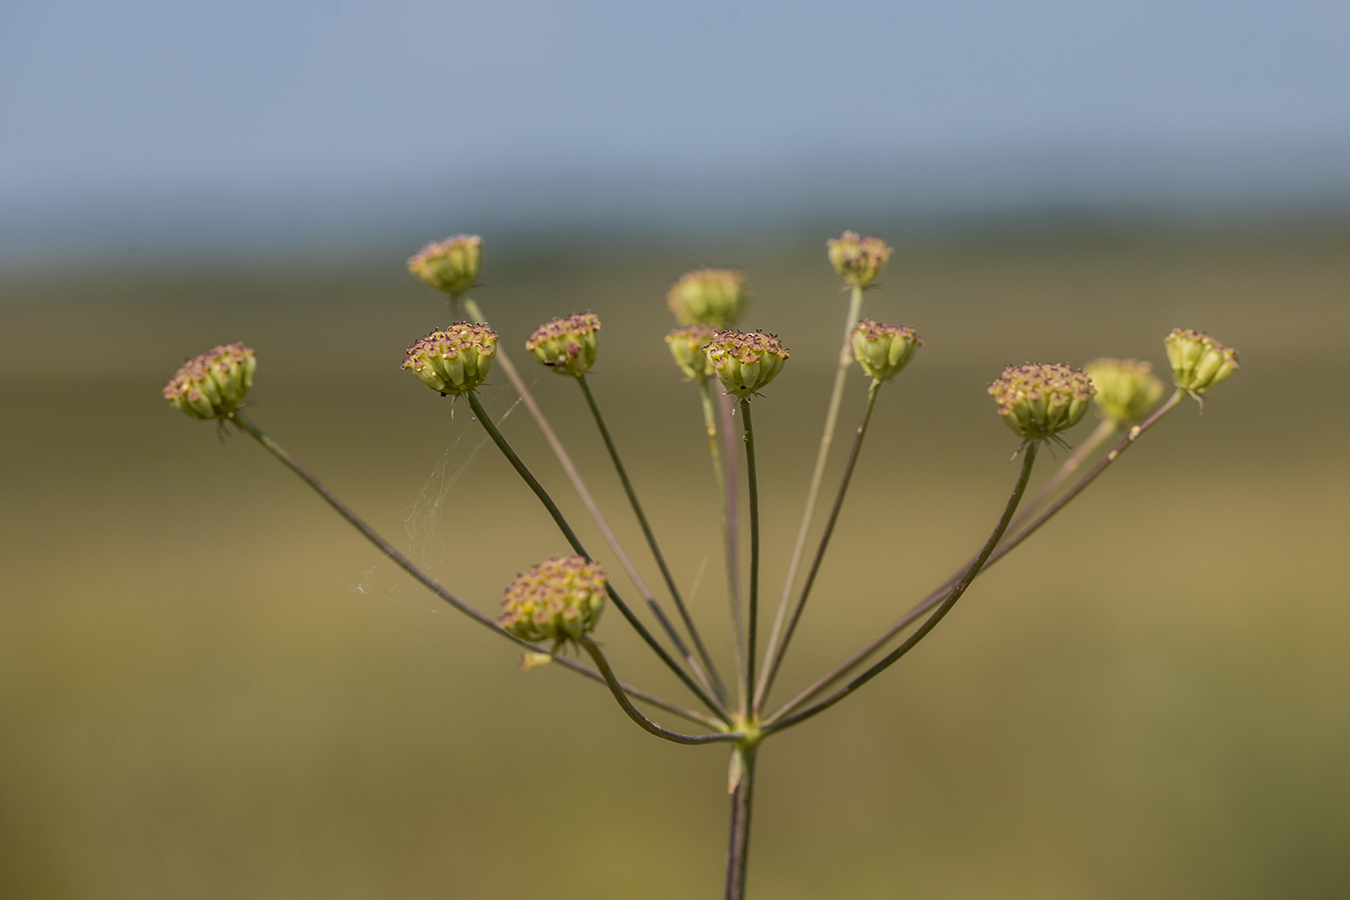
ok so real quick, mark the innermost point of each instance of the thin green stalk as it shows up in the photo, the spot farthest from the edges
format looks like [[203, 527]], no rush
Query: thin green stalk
[[578, 484], [725, 493], [752, 627], [774, 660], [1022, 533], [707, 672], [822, 455], [486, 421], [647, 724], [738, 846], [876, 669], [1105, 428], [248, 427]]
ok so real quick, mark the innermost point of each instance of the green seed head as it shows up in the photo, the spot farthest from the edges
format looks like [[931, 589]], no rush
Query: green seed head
[[453, 361], [212, 386], [558, 600], [1126, 388], [858, 260], [715, 298], [745, 361], [1198, 361], [450, 265], [1039, 400], [883, 350], [686, 345], [567, 346]]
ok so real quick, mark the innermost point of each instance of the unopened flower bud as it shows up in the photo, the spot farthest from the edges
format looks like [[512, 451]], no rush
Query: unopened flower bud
[[858, 260], [558, 600], [450, 265], [745, 361], [1198, 361], [1039, 400], [883, 350], [1126, 388], [212, 386], [453, 361], [686, 345], [712, 297], [567, 346]]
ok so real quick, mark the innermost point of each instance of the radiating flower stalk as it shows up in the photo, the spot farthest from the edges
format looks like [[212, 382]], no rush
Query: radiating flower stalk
[[553, 610]]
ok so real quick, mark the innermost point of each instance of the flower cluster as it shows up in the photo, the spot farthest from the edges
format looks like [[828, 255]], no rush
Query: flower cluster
[[212, 385], [1039, 400], [1198, 361], [715, 298], [450, 265], [567, 346], [745, 361], [686, 345], [453, 361], [558, 600], [883, 350], [858, 260], [1126, 388]]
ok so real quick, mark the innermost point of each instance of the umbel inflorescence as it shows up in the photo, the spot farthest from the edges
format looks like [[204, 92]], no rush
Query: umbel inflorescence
[[552, 610]]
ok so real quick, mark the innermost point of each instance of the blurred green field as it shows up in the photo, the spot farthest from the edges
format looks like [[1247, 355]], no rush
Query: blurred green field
[[212, 688]]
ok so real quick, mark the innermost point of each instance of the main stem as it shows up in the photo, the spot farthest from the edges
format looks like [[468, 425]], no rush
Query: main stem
[[752, 626], [486, 421], [707, 672], [738, 845], [932, 621], [822, 455], [774, 659], [247, 426]]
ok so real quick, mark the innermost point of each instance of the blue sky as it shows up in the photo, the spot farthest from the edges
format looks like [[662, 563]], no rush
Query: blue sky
[[324, 111]]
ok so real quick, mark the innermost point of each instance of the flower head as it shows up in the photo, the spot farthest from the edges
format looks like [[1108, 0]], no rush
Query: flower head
[[1198, 361], [1039, 400], [712, 297], [450, 265], [686, 345], [558, 600], [1126, 388], [567, 346], [212, 386], [453, 361], [858, 260], [745, 361], [883, 350]]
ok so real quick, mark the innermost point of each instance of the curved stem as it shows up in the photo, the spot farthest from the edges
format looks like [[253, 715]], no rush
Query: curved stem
[[738, 845], [1105, 428], [1022, 533], [248, 427], [486, 421], [578, 484], [647, 724], [885, 662], [822, 455], [752, 626], [707, 672], [779, 650]]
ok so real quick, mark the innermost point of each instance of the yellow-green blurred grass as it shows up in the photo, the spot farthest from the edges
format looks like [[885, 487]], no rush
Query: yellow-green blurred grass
[[1148, 700]]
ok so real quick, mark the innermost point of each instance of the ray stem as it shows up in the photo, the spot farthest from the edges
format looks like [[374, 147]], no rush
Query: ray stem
[[728, 543], [752, 598], [1021, 533], [707, 672], [779, 650], [1028, 460], [818, 473], [647, 725], [486, 421], [246, 425]]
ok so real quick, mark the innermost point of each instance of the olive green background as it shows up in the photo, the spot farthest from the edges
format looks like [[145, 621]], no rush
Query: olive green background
[[211, 687]]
